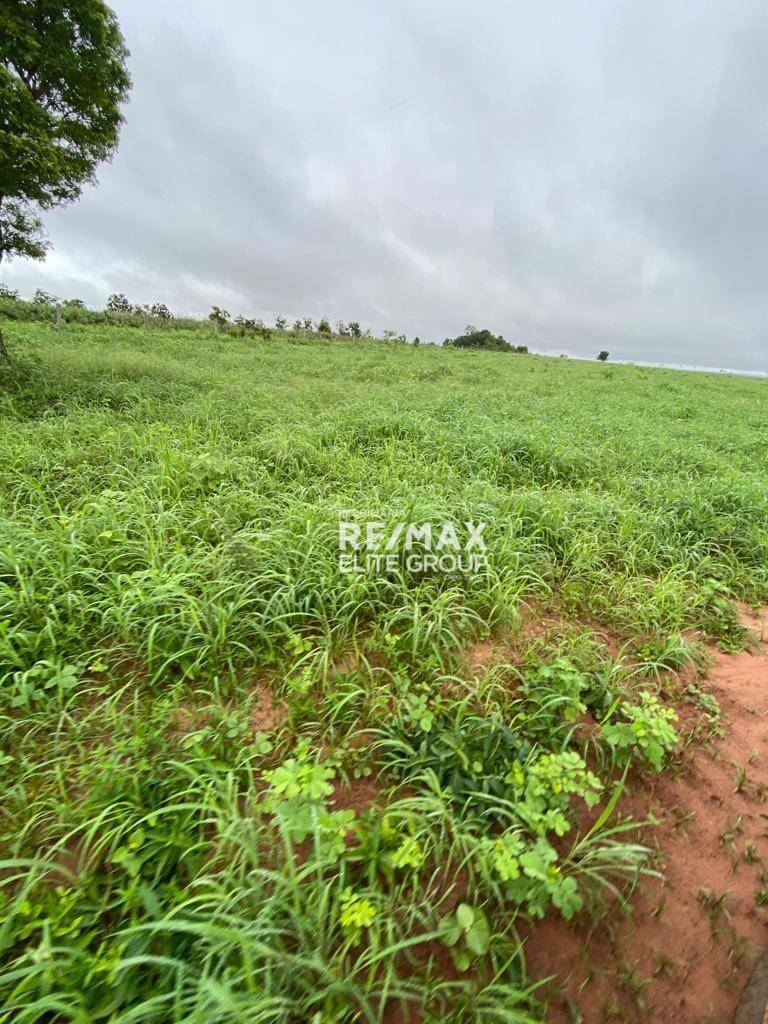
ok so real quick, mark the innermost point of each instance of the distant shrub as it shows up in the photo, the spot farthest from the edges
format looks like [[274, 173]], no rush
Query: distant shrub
[[323, 326], [39, 309], [602, 356], [353, 327], [138, 313], [280, 322], [393, 336], [485, 340], [220, 317], [75, 311], [14, 308], [118, 303], [245, 325]]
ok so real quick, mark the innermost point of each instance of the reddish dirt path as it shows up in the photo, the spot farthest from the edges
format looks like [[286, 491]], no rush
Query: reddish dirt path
[[684, 954]]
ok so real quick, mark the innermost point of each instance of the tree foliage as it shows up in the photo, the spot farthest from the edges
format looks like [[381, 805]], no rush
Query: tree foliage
[[62, 80], [220, 317], [118, 303], [484, 339]]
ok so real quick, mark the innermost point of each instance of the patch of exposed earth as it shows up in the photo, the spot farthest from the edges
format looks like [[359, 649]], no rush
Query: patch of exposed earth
[[684, 952]]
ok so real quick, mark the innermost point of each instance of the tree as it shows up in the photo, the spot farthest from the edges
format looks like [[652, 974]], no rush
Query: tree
[[220, 317], [602, 356], [280, 322], [62, 80], [118, 303]]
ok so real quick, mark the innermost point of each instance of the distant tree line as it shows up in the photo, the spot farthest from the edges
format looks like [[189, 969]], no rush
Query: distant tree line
[[46, 307], [120, 304], [241, 325], [119, 309], [43, 306]]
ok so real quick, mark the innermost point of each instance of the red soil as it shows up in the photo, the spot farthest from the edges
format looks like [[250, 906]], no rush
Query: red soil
[[264, 713], [683, 954]]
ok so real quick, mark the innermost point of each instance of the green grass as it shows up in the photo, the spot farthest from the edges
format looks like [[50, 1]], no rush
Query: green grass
[[168, 557]]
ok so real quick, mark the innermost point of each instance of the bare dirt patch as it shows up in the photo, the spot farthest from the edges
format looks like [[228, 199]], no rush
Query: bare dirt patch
[[684, 953], [187, 718], [264, 712], [537, 626], [356, 794]]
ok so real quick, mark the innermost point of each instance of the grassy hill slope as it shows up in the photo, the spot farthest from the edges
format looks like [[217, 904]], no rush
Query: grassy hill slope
[[240, 784]]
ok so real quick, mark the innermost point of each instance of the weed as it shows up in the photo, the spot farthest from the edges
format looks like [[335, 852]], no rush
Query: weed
[[647, 732]]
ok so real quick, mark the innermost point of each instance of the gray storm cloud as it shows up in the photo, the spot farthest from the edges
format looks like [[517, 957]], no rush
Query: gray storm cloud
[[575, 175]]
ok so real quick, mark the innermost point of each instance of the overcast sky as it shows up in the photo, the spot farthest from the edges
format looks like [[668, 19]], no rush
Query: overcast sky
[[575, 175]]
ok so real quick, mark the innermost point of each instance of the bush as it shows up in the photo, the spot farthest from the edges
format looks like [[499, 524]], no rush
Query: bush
[[42, 309], [118, 303], [220, 317], [473, 338], [393, 336], [258, 327]]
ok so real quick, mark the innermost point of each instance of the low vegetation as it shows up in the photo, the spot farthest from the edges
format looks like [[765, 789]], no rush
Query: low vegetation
[[485, 340], [119, 310], [242, 785]]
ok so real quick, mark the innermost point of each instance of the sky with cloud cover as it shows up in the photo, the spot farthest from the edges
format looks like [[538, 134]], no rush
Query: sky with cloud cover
[[576, 175]]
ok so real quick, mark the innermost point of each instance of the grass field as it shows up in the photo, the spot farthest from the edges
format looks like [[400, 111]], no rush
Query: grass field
[[240, 785]]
